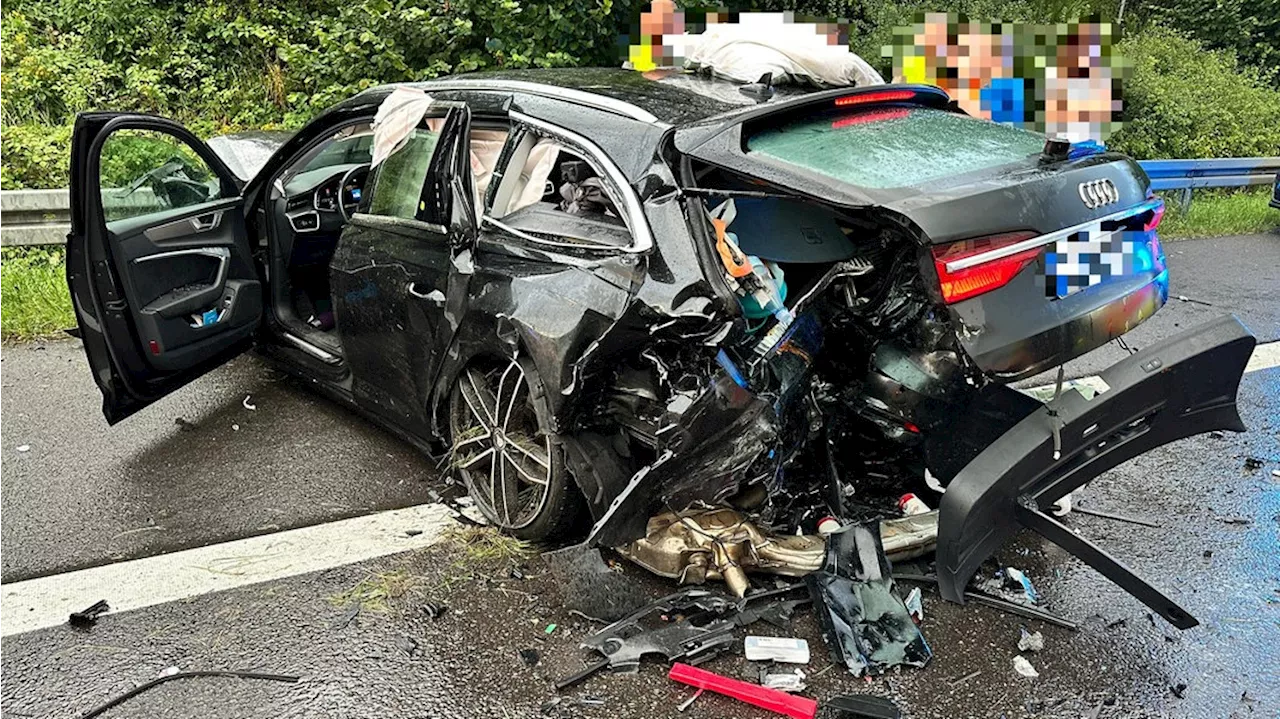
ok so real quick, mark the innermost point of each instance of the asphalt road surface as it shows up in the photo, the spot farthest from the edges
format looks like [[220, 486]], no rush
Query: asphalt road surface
[[81, 494]]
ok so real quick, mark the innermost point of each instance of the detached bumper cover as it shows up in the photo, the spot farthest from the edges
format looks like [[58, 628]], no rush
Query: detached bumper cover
[[1183, 386]]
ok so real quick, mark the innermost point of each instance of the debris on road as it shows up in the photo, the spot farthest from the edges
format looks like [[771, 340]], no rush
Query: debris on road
[[530, 656], [693, 624], [434, 610], [24, 448], [1017, 578], [169, 671], [781, 702], [792, 681], [551, 628], [915, 607], [1030, 642], [864, 622], [1117, 517], [113, 703], [348, 615], [1003, 605], [247, 404], [1252, 463], [787, 650], [1023, 667], [689, 702], [1234, 520], [720, 544], [88, 617], [961, 680]]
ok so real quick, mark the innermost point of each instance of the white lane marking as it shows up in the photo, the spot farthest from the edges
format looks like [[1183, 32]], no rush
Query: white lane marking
[[49, 601], [1265, 356]]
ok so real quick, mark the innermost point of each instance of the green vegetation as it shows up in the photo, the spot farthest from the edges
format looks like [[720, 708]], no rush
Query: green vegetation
[[220, 66], [379, 591], [33, 289], [1220, 212], [1185, 101]]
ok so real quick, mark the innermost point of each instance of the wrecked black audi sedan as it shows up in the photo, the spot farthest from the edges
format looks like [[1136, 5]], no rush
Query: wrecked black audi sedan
[[612, 297]]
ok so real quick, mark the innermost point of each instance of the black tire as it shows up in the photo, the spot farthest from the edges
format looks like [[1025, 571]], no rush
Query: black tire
[[501, 446]]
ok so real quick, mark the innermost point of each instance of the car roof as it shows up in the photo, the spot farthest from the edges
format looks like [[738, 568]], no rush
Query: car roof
[[624, 111]]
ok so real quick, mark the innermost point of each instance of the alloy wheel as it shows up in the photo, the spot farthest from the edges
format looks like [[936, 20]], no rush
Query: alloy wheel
[[499, 448]]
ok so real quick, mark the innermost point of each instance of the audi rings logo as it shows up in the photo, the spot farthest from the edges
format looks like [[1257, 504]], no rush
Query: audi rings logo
[[1096, 193]]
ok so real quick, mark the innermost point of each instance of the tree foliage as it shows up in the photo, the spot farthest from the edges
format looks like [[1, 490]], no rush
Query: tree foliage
[[219, 66]]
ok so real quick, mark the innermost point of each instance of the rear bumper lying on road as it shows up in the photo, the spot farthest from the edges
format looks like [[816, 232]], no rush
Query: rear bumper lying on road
[[1182, 386]]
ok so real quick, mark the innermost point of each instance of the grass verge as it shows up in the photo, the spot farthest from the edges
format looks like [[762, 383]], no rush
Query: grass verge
[[1219, 212], [34, 301]]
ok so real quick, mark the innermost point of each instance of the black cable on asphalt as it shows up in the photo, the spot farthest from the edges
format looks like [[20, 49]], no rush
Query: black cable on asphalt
[[98, 711]]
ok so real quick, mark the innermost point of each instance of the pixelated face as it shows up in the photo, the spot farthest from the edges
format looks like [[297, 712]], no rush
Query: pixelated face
[[1066, 85], [663, 18]]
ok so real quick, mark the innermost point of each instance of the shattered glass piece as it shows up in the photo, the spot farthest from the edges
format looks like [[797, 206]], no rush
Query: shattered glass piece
[[864, 621]]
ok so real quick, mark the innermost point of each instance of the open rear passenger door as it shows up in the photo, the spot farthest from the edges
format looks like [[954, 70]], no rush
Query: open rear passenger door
[[158, 259]]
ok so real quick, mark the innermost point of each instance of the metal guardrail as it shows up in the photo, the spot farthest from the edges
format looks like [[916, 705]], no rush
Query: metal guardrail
[[43, 217], [1187, 175]]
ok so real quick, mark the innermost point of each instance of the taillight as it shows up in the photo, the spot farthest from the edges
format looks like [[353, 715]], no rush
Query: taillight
[[866, 98], [1157, 214], [961, 284]]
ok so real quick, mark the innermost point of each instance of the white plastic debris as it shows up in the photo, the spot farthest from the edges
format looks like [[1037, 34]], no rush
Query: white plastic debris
[[933, 482], [170, 671], [1029, 642], [1023, 667], [1028, 590], [24, 448], [247, 404], [914, 607], [235, 428], [777, 649], [785, 681], [395, 121]]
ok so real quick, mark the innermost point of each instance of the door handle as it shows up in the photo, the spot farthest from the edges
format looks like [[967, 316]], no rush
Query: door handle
[[435, 296], [204, 223]]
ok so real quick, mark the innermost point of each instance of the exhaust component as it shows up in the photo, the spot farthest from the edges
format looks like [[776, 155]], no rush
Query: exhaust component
[[720, 544]]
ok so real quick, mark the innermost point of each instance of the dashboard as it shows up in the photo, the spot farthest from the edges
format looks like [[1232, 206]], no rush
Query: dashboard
[[325, 198]]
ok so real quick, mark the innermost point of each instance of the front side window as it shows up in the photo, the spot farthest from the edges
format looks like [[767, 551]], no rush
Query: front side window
[[144, 172], [398, 181]]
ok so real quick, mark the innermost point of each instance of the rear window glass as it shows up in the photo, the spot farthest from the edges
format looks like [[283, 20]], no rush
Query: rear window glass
[[894, 147]]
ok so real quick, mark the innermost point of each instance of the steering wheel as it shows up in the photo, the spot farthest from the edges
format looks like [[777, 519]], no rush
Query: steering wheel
[[342, 190]]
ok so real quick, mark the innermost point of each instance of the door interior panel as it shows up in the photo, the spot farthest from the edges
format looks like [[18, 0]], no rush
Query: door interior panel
[[188, 282]]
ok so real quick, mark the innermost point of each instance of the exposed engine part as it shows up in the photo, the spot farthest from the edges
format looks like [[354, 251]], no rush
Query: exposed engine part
[[721, 544]]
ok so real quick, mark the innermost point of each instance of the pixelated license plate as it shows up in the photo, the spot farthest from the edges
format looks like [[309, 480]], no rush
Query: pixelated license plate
[[1087, 258]]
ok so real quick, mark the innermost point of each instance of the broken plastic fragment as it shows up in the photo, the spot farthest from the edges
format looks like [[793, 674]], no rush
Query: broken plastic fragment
[[248, 405], [864, 622], [784, 681], [1023, 667], [914, 606], [1028, 590], [1029, 642]]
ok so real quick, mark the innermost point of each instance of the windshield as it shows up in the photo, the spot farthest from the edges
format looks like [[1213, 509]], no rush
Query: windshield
[[882, 147]]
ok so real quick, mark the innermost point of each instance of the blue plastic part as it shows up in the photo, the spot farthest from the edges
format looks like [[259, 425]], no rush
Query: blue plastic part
[[723, 358]]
